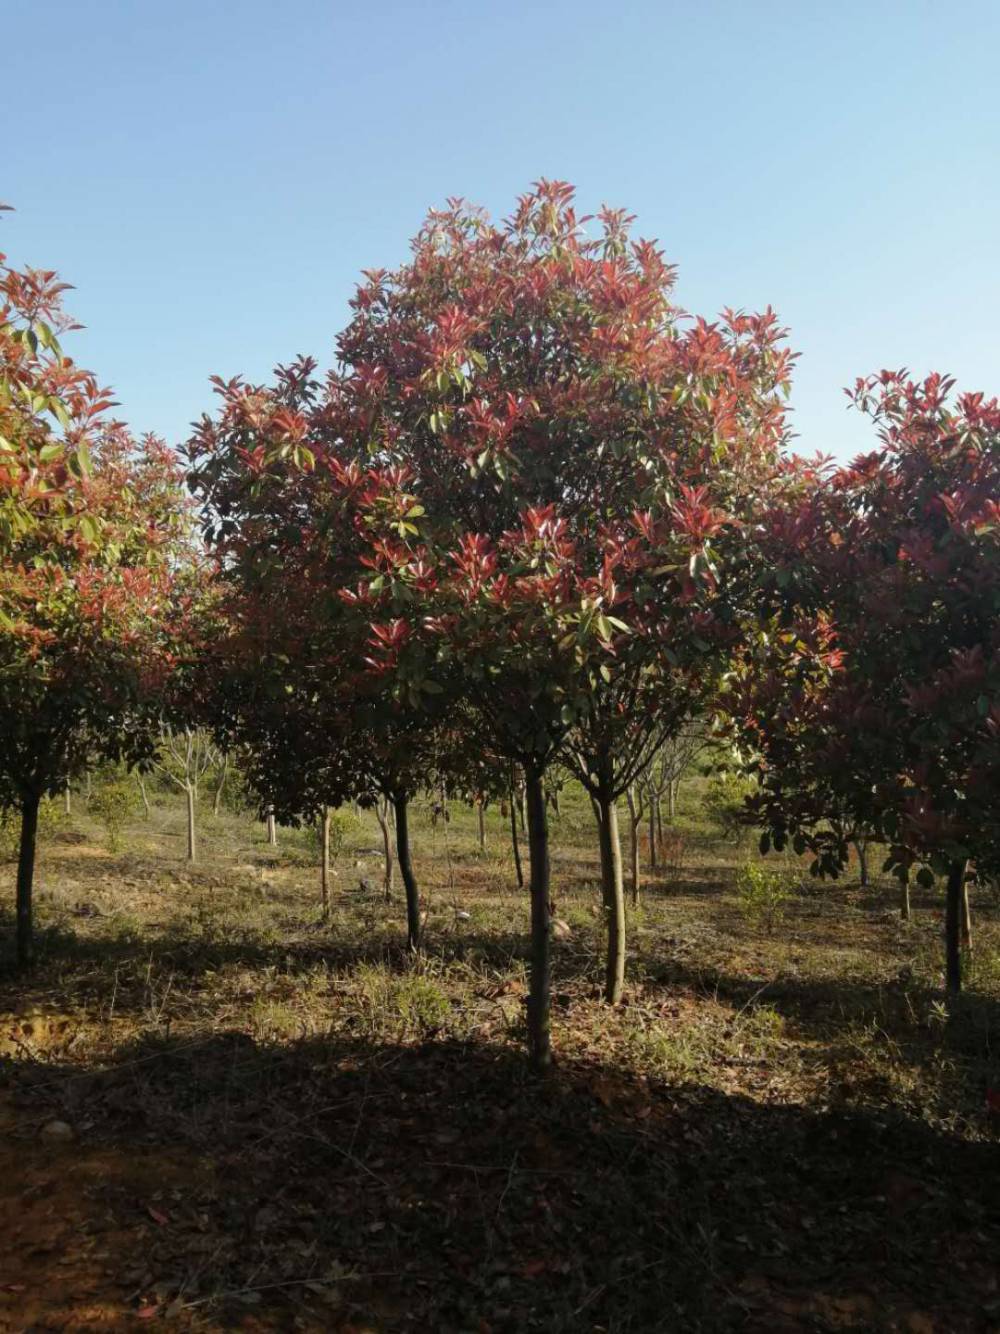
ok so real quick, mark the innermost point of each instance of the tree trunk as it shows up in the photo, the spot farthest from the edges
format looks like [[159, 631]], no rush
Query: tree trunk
[[192, 849], [672, 787], [658, 808], [540, 992], [966, 921], [635, 815], [515, 843], [324, 871], [953, 927], [272, 829], [406, 871], [382, 815], [25, 880], [522, 807], [614, 899], [652, 831], [143, 793], [861, 848], [217, 802], [69, 800], [904, 900], [481, 813]]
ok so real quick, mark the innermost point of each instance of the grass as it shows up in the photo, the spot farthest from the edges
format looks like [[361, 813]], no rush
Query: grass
[[284, 1123]]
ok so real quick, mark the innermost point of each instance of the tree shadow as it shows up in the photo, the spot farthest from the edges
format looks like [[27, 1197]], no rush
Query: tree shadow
[[439, 1186]]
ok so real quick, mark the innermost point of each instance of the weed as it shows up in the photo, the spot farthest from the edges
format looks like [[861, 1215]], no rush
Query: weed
[[408, 1004]]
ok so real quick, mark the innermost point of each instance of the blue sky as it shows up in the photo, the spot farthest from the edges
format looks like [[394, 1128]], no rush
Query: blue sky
[[213, 176]]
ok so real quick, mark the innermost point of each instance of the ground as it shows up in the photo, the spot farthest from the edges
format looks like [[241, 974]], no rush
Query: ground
[[264, 1121]]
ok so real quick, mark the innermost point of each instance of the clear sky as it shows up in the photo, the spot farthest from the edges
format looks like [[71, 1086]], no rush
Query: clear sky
[[213, 174]]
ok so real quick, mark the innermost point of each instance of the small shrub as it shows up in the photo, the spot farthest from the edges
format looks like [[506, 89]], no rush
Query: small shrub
[[113, 804], [673, 845], [762, 896], [344, 829], [400, 1004], [725, 803]]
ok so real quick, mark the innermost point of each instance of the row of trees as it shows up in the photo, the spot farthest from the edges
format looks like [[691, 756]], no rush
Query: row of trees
[[535, 517]]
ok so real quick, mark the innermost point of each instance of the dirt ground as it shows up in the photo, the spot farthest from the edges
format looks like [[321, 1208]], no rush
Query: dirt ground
[[218, 1112]]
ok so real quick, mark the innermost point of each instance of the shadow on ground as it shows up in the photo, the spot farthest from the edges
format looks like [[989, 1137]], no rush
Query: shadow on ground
[[337, 1185]]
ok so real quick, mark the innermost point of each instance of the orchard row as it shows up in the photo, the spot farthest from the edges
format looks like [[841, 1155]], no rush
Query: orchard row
[[536, 516]]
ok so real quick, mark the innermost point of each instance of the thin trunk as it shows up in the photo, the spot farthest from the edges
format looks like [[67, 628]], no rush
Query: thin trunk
[[672, 787], [272, 829], [515, 843], [25, 880], [540, 992], [953, 928], [143, 793], [522, 808], [382, 815], [406, 871], [90, 784], [482, 826], [904, 900], [324, 869], [192, 850], [613, 892], [69, 800], [861, 848], [217, 803], [635, 815], [652, 832], [658, 807], [966, 922]]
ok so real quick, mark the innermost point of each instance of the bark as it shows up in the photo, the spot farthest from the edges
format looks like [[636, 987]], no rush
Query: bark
[[515, 843], [272, 829], [25, 880], [481, 813], [672, 799], [191, 793], [382, 815], [324, 868], [143, 793], [635, 816], [904, 900], [69, 800], [658, 808], [400, 806], [953, 928], [861, 848], [652, 833], [965, 925], [614, 899], [540, 991]]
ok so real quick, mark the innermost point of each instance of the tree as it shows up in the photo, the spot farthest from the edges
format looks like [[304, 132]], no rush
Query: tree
[[89, 520], [565, 435], [873, 702], [185, 756], [301, 530]]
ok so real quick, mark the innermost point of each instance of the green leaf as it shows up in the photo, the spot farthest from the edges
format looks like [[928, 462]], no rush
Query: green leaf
[[49, 452]]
